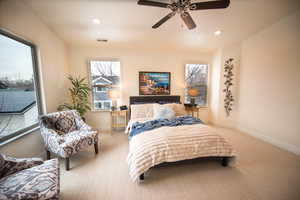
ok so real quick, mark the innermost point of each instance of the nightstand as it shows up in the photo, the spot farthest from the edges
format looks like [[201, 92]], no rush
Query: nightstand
[[193, 110], [119, 119]]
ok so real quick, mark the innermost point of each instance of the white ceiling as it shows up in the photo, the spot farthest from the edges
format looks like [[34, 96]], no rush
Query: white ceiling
[[124, 23]]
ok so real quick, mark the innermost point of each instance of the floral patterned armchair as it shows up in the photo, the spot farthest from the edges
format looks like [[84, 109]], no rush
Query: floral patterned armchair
[[28, 178], [65, 134]]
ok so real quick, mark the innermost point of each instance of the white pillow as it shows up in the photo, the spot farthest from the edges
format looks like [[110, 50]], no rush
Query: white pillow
[[179, 109], [138, 111], [163, 112]]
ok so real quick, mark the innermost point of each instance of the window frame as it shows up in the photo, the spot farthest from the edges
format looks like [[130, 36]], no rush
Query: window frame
[[91, 81], [36, 75], [207, 83]]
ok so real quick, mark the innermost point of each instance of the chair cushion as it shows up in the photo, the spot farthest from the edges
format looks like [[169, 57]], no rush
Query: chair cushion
[[36, 183], [77, 140]]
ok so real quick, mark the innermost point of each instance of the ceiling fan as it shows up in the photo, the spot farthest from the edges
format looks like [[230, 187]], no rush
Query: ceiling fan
[[182, 7]]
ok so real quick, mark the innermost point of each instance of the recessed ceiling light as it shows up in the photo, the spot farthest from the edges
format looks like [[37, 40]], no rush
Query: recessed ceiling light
[[102, 40], [96, 21], [218, 32]]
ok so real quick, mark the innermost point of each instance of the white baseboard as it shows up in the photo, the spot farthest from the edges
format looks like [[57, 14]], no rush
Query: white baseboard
[[281, 144], [222, 125]]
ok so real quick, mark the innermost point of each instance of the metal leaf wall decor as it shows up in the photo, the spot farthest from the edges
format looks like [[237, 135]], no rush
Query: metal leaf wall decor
[[228, 74]]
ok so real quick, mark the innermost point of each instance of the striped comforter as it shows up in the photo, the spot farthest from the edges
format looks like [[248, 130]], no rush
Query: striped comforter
[[169, 144]]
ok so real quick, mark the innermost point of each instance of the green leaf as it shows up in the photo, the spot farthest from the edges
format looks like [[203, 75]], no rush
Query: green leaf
[[79, 92]]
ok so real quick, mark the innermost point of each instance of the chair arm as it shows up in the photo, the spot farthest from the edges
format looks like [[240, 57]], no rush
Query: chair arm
[[52, 140], [51, 136], [81, 125], [13, 165]]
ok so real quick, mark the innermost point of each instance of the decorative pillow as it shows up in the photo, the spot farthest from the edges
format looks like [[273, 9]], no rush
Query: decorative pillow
[[179, 109], [65, 124], [141, 111], [163, 112]]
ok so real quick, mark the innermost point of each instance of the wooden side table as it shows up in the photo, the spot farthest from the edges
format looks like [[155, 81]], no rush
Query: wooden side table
[[194, 111], [119, 119]]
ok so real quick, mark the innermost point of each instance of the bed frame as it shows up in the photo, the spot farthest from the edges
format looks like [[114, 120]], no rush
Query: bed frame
[[154, 99], [224, 163], [165, 100]]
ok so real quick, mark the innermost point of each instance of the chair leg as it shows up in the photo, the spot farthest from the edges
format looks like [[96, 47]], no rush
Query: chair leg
[[67, 162], [48, 154], [96, 147]]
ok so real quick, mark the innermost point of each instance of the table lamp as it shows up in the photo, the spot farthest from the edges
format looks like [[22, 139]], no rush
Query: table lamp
[[193, 92], [114, 95]]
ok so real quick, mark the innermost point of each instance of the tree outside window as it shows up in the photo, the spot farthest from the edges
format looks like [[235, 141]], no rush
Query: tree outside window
[[105, 76], [196, 76]]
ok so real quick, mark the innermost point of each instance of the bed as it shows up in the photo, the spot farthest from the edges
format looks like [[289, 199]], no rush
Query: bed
[[169, 143]]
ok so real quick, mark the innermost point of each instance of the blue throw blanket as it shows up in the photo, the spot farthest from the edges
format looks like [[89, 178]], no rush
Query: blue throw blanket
[[139, 127]]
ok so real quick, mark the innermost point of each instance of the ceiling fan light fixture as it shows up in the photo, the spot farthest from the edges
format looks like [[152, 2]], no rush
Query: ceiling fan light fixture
[[218, 33], [183, 7]]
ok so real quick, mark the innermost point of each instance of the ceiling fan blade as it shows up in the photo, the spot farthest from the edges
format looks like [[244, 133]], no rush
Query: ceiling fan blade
[[163, 20], [153, 3], [189, 22], [210, 5]]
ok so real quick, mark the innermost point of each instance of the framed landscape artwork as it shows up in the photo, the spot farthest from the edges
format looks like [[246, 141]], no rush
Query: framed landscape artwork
[[154, 83]]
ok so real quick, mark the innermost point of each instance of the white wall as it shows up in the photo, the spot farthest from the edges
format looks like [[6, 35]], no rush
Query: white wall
[[215, 75], [18, 19], [266, 85], [269, 93], [133, 61]]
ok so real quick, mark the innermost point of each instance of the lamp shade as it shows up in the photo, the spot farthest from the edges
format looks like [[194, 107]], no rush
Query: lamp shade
[[193, 92], [114, 94]]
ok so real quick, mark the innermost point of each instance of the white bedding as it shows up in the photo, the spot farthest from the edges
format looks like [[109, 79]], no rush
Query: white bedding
[[169, 144]]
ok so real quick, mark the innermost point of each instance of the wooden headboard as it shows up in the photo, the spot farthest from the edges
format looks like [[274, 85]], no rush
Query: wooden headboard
[[154, 99]]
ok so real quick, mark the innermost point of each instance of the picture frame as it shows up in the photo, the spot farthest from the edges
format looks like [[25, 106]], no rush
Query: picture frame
[[154, 83]]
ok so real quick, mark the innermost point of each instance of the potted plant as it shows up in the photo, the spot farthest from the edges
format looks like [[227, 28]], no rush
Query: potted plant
[[79, 93]]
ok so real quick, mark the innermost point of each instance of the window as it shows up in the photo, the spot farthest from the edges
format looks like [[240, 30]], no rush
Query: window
[[19, 88], [196, 76], [105, 76]]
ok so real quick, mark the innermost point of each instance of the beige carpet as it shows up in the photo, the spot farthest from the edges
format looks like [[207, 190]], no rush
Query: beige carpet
[[261, 171]]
